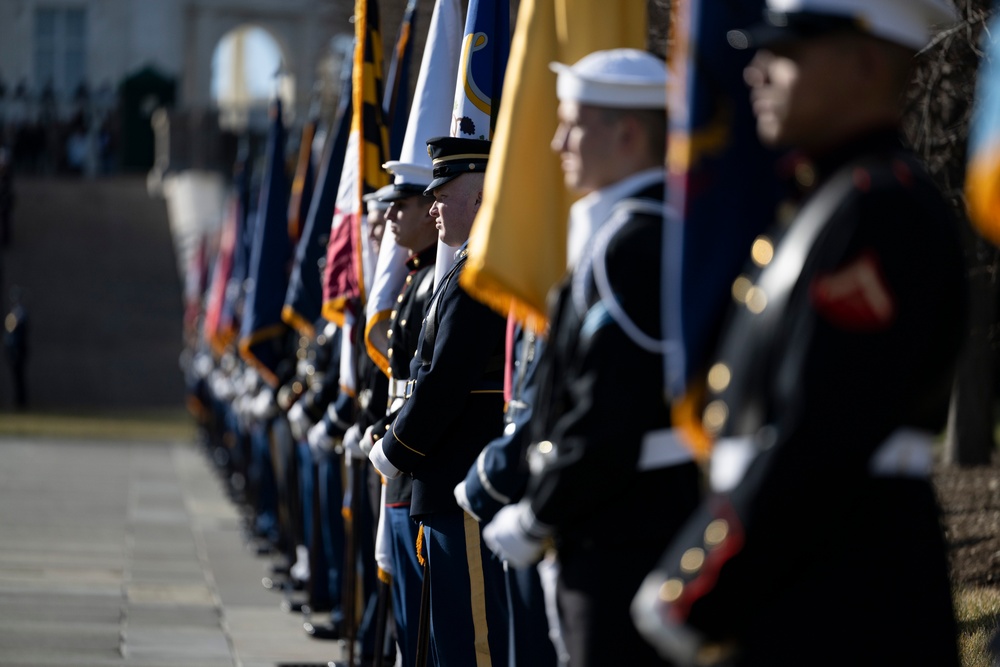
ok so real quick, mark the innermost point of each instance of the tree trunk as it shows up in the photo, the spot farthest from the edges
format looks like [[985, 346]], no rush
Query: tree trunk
[[970, 437]]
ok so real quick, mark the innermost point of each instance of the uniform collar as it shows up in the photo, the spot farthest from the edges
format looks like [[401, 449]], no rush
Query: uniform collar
[[590, 212], [421, 259]]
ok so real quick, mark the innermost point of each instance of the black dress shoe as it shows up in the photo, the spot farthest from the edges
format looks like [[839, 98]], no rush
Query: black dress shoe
[[322, 630], [292, 606]]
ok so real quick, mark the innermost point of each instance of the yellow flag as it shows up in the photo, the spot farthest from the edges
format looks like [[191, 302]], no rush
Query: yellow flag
[[517, 248]]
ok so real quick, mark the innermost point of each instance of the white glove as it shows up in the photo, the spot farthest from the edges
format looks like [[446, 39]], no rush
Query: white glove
[[264, 406], [462, 498], [351, 441], [298, 421], [367, 442], [506, 537], [221, 385], [381, 463], [320, 442]]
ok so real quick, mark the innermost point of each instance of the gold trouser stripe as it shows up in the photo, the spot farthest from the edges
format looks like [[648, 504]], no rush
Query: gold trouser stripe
[[475, 556]]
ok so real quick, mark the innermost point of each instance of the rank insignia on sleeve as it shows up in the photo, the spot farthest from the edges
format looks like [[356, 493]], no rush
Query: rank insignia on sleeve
[[855, 297]]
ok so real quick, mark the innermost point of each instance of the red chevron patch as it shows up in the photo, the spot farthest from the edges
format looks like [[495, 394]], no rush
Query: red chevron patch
[[855, 297]]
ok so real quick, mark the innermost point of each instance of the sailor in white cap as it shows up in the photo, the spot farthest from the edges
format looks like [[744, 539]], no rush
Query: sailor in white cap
[[375, 208], [609, 484], [820, 542]]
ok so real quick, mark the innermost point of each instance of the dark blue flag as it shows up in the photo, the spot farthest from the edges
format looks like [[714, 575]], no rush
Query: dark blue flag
[[722, 186], [262, 332], [304, 297], [396, 99]]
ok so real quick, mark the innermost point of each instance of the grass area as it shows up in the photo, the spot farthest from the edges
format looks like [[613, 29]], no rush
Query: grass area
[[978, 612], [155, 425]]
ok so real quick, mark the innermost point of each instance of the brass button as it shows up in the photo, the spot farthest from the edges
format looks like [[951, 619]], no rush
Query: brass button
[[409, 279], [740, 288], [692, 560], [671, 590], [715, 416], [544, 447], [399, 299], [716, 533], [762, 251], [719, 377], [390, 353], [402, 323], [805, 175], [756, 300]]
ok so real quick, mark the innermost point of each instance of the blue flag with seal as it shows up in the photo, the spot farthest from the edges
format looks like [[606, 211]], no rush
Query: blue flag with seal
[[485, 49], [263, 331]]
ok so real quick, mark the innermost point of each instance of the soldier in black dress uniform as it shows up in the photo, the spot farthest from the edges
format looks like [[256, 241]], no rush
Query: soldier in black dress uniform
[[453, 408], [611, 482], [413, 227], [821, 543]]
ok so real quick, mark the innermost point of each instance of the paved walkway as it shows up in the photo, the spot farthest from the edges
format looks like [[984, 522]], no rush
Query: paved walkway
[[130, 554]]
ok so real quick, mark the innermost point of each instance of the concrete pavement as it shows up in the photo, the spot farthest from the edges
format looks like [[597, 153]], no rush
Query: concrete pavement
[[131, 554]]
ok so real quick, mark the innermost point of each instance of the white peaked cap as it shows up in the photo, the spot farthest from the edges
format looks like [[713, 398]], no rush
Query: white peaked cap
[[409, 173], [617, 78], [906, 22]]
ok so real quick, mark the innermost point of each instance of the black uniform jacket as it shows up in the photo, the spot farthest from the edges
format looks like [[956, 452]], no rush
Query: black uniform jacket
[[599, 393], [820, 555], [405, 327], [456, 406]]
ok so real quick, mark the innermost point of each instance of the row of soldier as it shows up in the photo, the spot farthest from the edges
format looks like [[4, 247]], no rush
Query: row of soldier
[[514, 497]]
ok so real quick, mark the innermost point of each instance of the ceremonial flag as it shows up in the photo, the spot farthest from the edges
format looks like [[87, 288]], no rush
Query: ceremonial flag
[[396, 100], [722, 185], [304, 297], [517, 250], [982, 177], [302, 183], [349, 260], [485, 50], [221, 270], [262, 329], [722, 190], [430, 117], [222, 324]]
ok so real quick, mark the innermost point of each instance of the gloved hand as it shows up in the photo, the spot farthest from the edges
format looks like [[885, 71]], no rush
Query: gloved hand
[[507, 537], [462, 498], [222, 386], [264, 405], [367, 441], [298, 421], [381, 462], [320, 441], [351, 442]]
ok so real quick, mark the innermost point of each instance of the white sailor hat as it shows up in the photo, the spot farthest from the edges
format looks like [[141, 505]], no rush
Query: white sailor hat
[[906, 22], [616, 78], [375, 201], [409, 179]]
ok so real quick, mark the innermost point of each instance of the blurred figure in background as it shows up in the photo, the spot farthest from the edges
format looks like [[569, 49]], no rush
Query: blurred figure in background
[[15, 343]]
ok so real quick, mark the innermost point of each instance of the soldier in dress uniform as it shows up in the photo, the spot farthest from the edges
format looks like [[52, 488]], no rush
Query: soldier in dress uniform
[[610, 483], [454, 406], [820, 543], [498, 478], [413, 227]]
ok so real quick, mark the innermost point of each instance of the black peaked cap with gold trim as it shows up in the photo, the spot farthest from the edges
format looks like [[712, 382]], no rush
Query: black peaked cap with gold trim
[[453, 156]]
